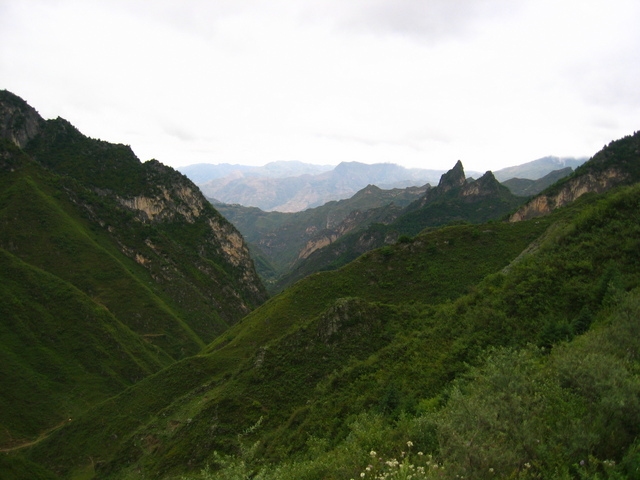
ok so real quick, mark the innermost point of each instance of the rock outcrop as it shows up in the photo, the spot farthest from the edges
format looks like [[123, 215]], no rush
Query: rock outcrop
[[19, 122], [569, 192], [616, 164], [155, 215]]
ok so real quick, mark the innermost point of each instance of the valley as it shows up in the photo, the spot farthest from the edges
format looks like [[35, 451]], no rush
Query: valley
[[448, 330]]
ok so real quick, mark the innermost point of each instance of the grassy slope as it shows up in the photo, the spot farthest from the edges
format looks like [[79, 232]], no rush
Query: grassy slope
[[223, 391], [42, 229], [61, 351], [70, 304]]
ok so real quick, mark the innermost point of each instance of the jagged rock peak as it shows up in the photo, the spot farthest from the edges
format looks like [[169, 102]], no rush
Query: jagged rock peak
[[485, 185], [453, 178], [19, 122], [488, 180]]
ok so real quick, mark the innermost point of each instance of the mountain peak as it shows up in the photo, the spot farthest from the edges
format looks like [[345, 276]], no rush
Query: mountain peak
[[485, 185], [452, 179], [19, 122]]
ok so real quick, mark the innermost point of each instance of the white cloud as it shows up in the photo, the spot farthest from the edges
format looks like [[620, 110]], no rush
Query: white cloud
[[422, 83]]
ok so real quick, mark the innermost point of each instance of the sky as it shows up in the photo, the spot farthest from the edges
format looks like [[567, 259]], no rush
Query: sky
[[420, 83]]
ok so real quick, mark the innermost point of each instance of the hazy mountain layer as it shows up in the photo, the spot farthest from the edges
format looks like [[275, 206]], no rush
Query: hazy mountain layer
[[524, 187], [292, 194], [537, 169], [204, 172], [295, 186]]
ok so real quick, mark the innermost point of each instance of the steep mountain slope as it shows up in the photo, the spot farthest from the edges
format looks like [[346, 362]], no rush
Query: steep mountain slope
[[271, 363], [282, 239], [616, 164], [112, 270], [297, 193], [454, 200]]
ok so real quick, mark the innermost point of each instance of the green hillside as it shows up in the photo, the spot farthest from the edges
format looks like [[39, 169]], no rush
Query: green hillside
[[364, 357], [111, 270]]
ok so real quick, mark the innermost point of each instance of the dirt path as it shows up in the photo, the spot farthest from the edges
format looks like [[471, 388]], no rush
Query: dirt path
[[41, 437]]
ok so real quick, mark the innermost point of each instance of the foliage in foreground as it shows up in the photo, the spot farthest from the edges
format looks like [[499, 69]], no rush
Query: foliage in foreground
[[522, 414]]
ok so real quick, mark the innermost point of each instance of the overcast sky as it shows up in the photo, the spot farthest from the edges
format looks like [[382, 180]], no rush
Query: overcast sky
[[421, 83]]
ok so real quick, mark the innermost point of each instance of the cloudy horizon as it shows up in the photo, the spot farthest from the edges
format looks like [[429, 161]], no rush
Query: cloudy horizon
[[420, 83]]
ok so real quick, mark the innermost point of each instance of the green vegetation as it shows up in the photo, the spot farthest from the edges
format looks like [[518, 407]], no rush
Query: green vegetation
[[278, 239], [95, 295], [363, 358], [475, 350]]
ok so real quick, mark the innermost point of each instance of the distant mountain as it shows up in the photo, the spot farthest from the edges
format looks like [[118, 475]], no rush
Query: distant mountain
[[203, 172], [524, 187], [296, 193], [295, 186], [455, 200], [538, 168], [110, 269]]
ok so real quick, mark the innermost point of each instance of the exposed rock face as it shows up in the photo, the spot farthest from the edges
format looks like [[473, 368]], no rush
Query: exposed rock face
[[326, 237], [452, 179], [189, 233], [347, 316], [180, 200], [618, 163], [455, 179], [18, 121], [569, 192]]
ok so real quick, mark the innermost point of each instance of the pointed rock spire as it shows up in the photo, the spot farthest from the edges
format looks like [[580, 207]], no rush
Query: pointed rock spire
[[452, 179]]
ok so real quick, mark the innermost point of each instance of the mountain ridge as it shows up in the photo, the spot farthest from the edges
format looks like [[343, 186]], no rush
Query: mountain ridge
[[91, 234], [294, 186], [476, 347], [614, 165], [454, 199]]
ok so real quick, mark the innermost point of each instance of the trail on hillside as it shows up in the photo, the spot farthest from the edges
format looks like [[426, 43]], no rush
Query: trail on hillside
[[29, 443]]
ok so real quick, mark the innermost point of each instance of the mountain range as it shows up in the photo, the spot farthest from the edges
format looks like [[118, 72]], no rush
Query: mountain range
[[291, 246], [296, 186], [137, 340]]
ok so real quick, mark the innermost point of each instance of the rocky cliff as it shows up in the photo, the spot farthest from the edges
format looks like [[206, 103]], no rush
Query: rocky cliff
[[19, 122], [569, 192], [616, 164], [155, 215]]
